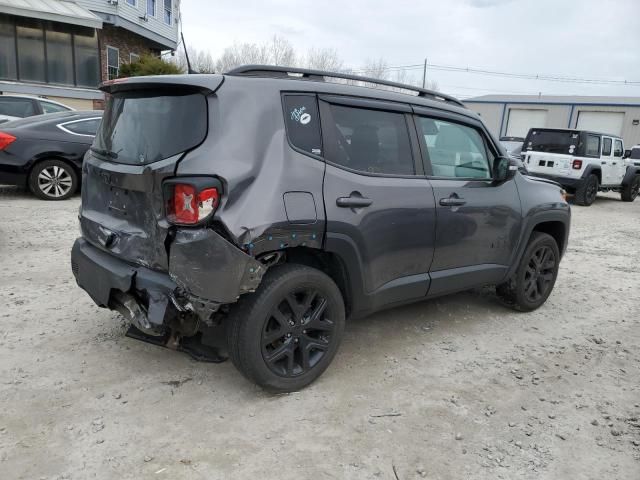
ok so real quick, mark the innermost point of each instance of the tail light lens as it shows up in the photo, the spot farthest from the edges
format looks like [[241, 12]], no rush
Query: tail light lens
[[6, 140], [190, 203], [577, 164]]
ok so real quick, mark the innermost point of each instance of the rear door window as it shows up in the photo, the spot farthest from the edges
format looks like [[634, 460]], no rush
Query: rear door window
[[17, 107], [142, 127], [48, 107], [303, 122], [606, 147], [454, 150], [371, 141]]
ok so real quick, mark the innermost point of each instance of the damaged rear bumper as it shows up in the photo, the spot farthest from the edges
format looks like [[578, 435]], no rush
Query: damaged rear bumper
[[205, 271]]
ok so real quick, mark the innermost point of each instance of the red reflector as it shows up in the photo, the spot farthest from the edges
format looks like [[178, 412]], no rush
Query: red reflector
[[577, 164], [188, 207], [6, 140]]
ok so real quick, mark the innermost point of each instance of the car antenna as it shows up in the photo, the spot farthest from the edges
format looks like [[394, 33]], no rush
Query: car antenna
[[186, 54]]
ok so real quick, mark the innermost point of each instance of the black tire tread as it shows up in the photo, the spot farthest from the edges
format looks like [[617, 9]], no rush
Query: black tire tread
[[625, 195], [581, 192]]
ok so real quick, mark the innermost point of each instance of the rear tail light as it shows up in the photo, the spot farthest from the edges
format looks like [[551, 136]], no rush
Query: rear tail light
[[577, 164], [190, 203], [6, 140]]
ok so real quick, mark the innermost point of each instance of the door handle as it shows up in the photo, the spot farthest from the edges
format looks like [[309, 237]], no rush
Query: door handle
[[603, 163], [353, 202], [452, 201]]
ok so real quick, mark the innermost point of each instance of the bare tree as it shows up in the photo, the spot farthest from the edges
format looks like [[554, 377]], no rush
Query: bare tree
[[323, 59], [281, 52]]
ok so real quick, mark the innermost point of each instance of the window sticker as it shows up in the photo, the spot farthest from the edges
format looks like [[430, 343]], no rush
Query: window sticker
[[300, 115]]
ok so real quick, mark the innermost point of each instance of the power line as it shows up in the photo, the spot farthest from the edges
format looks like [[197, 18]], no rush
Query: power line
[[488, 72]]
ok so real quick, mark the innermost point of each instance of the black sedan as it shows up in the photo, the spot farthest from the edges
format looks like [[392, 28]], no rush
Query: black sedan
[[45, 152]]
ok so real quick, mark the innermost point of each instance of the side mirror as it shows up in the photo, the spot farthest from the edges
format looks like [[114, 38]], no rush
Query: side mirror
[[504, 168], [627, 154]]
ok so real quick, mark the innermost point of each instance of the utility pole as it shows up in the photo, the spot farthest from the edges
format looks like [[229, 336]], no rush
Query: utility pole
[[424, 74]]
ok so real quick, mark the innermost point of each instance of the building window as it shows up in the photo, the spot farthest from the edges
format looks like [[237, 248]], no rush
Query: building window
[[134, 57], [59, 57], [31, 57], [168, 11], [151, 8], [132, 2], [113, 63], [8, 68], [87, 59]]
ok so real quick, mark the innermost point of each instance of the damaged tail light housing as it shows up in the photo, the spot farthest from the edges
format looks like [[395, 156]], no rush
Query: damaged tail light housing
[[191, 201], [6, 140]]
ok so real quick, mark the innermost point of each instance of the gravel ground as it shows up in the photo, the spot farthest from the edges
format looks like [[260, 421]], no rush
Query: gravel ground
[[454, 388]]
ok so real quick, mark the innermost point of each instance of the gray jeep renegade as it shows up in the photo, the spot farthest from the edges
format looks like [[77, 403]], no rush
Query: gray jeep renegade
[[253, 212]]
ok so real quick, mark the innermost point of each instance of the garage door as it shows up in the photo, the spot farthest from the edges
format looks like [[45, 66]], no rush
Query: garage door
[[521, 120], [603, 122]]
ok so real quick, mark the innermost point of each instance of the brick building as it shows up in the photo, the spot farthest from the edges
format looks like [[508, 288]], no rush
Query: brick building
[[63, 49]]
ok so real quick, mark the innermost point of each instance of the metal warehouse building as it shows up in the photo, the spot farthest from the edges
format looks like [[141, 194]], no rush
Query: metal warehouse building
[[514, 115]]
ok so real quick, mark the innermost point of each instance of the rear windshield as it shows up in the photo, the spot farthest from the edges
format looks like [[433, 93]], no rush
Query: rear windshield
[[552, 141], [139, 128]]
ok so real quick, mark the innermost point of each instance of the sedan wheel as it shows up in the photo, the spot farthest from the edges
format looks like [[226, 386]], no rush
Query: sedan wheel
[[53, 180]]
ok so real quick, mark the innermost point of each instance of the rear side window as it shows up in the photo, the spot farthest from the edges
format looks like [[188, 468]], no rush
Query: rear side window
[[16, 107], [82, 127], [370, 141], [454, 150], [592, 148], [618, 151], [139, 128], [48, 107], [303, 122], [606, 147]]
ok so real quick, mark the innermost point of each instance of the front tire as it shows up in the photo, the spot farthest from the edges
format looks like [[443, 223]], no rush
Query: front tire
[[535, 277], [587, 191], [53, 180], [284, 336], [631, 191]]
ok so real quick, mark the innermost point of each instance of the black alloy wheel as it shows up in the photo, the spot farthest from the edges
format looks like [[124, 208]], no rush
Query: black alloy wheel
[[297, 333], [539, 274]]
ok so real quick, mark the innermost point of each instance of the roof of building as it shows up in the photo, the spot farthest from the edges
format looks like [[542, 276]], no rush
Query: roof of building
[[54, 10], [557, 99]]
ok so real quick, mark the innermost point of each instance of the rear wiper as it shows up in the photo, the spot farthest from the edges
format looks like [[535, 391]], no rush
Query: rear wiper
[[104, 153]]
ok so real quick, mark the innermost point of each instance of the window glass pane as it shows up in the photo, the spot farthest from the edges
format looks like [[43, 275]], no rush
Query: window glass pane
[[48, 107], [85, 127], [113, 62], [454, 150], [151, 7], [167, 12], [59, 58], [593, 146], [87, 62], [606, 146], [370, 141], [132, 2], [8, 68], [618, 152], [16, 107], [303, 122], [31, 52]]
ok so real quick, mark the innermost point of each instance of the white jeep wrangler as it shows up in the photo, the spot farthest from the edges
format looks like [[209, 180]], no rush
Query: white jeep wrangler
[[584, 163]]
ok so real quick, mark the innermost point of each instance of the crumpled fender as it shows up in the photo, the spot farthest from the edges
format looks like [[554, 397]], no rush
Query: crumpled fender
[[208, 266]]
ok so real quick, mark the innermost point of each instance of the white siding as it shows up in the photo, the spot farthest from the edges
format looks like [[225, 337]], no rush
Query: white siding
[[128, 12]]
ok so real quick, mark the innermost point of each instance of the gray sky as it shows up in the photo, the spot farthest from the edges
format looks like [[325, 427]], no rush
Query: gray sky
[[591, 39]]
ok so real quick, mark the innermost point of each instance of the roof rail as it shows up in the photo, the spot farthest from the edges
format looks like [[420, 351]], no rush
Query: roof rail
[[320, 75]]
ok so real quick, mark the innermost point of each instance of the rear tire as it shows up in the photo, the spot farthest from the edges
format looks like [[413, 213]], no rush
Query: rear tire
[[631, 191], [53, 180], [285, 334], [587, 191], [535, 277]]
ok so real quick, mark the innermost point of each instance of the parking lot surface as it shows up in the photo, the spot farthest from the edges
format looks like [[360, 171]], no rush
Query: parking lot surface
[[454, 388]]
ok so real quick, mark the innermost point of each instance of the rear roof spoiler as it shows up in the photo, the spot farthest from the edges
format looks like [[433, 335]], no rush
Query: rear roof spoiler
[[207, 83]]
